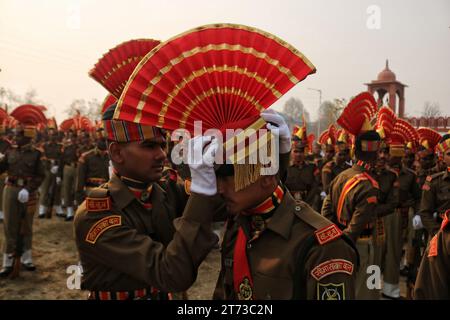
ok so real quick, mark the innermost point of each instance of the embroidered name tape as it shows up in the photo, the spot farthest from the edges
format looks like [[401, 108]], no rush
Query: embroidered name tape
[[101, 226], [330, 267]]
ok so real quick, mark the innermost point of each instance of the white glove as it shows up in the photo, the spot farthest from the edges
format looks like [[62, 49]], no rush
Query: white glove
[[58, 180], [278, 128], [54, 169], [417, 222], [1, 156], [110, 169], [323, 195], [23, 196], [201, 163]]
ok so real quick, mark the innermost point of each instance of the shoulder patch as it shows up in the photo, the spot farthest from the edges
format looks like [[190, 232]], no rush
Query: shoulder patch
[[331, 291], [429, 178], [101, 226], [330, 267], [426, 187], [327, 234], [98, 204], [433, 252]]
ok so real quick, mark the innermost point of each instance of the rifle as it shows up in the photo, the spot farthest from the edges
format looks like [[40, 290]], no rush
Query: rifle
[[19, 243]]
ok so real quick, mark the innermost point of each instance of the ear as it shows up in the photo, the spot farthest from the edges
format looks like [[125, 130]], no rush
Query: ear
[[116, 152], [268, 182]]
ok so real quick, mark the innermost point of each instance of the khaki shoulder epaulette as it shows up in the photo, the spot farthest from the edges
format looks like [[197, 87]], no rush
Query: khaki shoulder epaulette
[[325, 230], [435, 175], [98, 199]]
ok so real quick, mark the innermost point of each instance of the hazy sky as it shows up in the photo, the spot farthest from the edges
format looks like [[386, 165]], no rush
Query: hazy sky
[[50, 45]]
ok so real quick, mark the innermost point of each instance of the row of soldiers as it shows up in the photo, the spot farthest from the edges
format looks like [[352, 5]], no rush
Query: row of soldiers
[[55, 170], [412, 194]]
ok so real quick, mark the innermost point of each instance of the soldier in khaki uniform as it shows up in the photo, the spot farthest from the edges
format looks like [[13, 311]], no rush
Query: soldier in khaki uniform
[[302, 178], [436, 192], [50, 191], [398, 223], [92, 170], [127, 243], [388, 200], [265, 217], [433, 278], [70, 158], [428, 139], [25, 173], [352, 200]]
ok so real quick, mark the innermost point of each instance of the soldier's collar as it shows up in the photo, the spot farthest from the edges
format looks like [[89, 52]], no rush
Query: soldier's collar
[[119, 191], [283, 218]]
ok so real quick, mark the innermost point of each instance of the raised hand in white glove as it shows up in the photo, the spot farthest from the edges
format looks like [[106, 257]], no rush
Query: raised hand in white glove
[[323, 195], [23, 196], [200, 157], [417, 222], [54, 169], [58, 180], [278, 126]]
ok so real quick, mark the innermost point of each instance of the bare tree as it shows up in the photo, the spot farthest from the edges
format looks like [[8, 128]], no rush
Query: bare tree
[[330, 111], [294, 109], [30, 97], [90, 109], [9, 98], [431, 110]]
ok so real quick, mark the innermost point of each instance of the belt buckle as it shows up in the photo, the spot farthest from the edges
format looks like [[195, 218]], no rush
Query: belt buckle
[[20, 182]]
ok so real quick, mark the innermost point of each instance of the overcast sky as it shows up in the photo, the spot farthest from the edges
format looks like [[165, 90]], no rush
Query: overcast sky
[[50, 45]]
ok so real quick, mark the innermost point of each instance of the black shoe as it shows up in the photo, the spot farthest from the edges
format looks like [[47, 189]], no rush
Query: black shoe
[[5, 272], [41, 216], [29, 266], [68, 218]]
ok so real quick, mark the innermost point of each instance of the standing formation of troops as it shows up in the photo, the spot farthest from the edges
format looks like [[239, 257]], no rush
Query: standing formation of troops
[[43, 170], [372, 192]]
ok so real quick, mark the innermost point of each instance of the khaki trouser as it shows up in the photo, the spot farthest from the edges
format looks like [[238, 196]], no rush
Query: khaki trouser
[[394, 245], [366, 252], [45, 199], [13, 211], [2, 186], [68, 185]]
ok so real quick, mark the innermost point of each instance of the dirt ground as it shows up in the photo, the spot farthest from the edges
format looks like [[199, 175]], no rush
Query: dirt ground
[[54, 251]]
